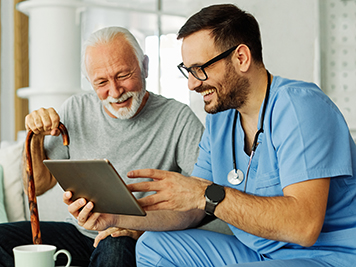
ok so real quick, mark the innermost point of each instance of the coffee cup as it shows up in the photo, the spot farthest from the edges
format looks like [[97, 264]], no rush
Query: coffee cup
[[38, 256]]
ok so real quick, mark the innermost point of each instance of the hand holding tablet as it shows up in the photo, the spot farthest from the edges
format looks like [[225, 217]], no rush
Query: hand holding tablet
[[96, 181]]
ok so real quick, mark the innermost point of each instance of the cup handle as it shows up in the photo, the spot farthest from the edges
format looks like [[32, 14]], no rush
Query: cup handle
[[65, 252]]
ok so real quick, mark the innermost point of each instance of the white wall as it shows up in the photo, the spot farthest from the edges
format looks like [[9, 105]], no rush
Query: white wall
[[339, 56]]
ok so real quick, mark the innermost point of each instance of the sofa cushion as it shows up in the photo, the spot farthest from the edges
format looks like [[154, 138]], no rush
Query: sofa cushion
[[10, 159], [50, 205], [3, 216]]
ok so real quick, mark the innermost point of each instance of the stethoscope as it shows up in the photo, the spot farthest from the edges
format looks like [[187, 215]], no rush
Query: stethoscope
[[236, 176]]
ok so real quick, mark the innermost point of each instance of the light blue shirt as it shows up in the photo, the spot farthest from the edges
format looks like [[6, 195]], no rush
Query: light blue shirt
[[305, 137]]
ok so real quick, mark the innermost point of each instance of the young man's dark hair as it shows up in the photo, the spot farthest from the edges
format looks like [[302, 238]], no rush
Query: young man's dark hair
[[230, 26]]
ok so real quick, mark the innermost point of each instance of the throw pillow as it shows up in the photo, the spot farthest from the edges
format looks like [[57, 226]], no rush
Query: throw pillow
[[10, 159], [3, 217]]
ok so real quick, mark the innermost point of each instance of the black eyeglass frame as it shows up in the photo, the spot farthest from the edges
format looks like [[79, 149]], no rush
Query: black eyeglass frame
[[202, 67]]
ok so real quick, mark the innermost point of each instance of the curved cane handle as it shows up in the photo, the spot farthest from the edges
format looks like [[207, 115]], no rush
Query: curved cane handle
[[35, 223]]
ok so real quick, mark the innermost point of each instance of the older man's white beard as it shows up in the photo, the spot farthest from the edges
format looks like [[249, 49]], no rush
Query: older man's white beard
[[125, 112]]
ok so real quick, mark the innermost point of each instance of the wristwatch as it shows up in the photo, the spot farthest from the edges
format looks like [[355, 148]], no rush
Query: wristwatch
[[214, 194]]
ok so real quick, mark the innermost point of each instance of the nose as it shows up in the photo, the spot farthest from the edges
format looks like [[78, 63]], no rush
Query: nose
[[193, 82], [115, 90]]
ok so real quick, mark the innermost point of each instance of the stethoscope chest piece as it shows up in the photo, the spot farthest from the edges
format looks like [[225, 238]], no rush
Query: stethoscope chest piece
[[235, 177]]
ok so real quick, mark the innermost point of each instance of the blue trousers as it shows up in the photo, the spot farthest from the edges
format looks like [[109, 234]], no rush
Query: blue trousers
[[205, 248], [118, 251]]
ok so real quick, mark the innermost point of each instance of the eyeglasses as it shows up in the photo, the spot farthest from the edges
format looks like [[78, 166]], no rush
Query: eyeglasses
[[198, 71]]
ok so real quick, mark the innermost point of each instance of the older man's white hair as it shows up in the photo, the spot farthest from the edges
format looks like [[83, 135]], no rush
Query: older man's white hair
[[107, 35]]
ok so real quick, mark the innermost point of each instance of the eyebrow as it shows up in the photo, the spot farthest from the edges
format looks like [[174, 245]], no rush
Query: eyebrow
[[194, 65]]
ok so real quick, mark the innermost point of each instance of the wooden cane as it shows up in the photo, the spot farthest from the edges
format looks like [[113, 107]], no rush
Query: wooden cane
[[35, 223]]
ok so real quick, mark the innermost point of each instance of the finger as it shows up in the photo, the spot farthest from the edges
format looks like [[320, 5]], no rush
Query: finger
[[163, 201], [85, 213], [111, 230], [55, 132], [30, 123], [102, 235], [144, 187], [67, 197], [158, 206], [123, 232], [148, 173], [53, 117], [27, 122], [43, 120], [97, 240], [120, 232], [152, 200], [135, 234], [91, 222], [75, 207]]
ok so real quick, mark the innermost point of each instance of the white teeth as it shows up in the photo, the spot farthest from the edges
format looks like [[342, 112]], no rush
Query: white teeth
[[207, 92], [123, 98]]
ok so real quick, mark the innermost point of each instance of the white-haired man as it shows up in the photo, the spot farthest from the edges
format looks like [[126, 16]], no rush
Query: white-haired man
[[119, 121]]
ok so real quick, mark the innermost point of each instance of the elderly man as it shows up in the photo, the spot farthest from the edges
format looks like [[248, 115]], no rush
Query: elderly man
[[276, 162], [119, 121]]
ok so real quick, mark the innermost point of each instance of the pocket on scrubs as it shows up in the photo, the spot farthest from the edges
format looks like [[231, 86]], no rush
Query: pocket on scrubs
[[269, 184]]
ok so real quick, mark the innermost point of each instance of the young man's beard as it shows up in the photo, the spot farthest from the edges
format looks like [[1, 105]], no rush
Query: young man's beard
[[235, 93]]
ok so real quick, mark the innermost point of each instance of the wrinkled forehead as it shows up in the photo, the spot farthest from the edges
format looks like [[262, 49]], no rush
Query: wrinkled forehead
[[117, 52], [198, 48]]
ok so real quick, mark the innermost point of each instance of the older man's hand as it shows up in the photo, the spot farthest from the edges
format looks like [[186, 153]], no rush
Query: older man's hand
[[82, 211], [116, 232]]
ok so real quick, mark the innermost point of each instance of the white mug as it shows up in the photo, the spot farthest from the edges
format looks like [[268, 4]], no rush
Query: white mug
[[38, 256]]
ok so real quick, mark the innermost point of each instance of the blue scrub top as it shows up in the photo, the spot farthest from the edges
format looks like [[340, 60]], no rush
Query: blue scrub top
[[305, 137]]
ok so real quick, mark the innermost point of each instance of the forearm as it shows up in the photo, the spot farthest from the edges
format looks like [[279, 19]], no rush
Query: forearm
[[162, 220], [284, 218], [260, 216], [42, 177], [158, 220]]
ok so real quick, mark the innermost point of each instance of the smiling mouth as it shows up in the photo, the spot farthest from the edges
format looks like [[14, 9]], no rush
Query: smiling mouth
[[121, 100], [207, 92]]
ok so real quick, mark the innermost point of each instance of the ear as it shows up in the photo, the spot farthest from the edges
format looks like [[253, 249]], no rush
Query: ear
[[243, 56], [145, 65]]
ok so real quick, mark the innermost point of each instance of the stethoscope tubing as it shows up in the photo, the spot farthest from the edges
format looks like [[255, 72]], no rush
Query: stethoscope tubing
[[255, 141]]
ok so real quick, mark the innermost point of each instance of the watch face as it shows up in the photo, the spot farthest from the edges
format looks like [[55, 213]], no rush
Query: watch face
[[215, 193]]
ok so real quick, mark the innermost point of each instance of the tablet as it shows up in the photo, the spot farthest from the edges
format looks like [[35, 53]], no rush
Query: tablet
[[96, 181]]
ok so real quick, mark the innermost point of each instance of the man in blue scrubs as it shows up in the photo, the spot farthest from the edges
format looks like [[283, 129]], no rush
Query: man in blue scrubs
[[277, 163]]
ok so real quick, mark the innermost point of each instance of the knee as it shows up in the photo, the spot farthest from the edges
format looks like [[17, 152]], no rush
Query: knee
[[119, 251], [159, 249], [143, 245], [113, 243], [148, 244], [145, 241]]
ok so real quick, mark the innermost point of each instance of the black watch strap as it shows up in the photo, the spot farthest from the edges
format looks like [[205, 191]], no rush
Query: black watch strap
[[210, 208]]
